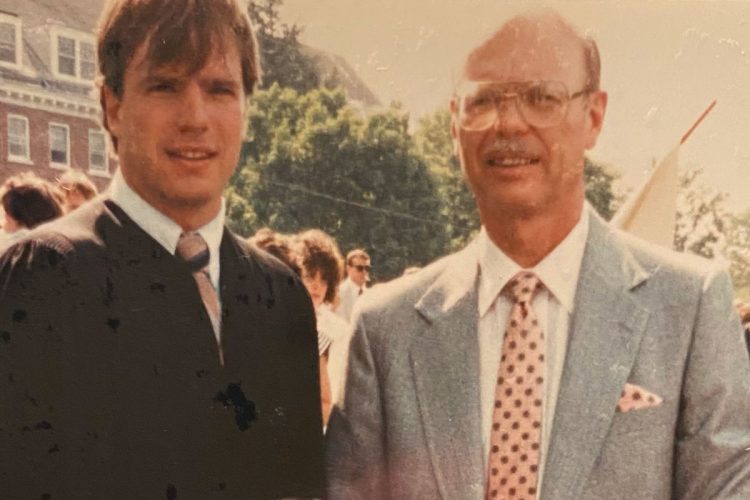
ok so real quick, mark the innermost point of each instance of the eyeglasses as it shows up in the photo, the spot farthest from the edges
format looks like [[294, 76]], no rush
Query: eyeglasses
[[541, 104], [361, 267]]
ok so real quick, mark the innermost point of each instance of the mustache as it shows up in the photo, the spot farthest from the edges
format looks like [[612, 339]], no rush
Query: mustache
[[509, 147]]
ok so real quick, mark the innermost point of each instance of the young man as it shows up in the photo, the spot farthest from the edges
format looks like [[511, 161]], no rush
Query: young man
[[553, 358], [147, 351]]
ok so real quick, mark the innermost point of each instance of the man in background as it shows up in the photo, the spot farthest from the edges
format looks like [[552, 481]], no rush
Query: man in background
[[77, 188], [357, 276]]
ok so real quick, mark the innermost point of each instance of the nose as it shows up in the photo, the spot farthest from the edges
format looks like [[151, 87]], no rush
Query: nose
[[508, 118], [193, 112]]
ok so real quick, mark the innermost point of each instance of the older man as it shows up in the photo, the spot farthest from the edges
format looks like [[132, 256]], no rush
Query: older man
[[147, 352], [554, 357]]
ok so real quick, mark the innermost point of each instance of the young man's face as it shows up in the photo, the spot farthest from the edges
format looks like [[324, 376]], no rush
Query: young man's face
[[179, 135]]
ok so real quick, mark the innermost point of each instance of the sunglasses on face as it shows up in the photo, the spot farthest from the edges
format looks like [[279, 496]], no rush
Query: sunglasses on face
[[361, 267]]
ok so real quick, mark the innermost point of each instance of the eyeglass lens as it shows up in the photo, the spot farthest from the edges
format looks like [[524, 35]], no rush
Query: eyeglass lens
[[541, 104]]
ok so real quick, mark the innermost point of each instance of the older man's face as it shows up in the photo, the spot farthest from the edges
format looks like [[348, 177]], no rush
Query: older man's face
[[513, 166]]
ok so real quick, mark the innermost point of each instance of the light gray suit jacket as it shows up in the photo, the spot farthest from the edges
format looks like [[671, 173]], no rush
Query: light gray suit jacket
[[409, 425]]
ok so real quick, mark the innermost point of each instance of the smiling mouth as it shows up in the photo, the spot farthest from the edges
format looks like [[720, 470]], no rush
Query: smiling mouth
[[191, 154], [510, 161]]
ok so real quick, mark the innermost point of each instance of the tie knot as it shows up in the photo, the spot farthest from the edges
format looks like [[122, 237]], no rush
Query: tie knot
[[193, 249], [523, 286]]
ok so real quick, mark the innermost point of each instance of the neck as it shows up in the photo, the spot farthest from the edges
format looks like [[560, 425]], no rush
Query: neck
[[529, 238], [192, 217]]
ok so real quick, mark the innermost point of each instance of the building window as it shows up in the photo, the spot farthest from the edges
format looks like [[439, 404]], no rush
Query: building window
[[59, 144], [18, 138], [76, 57], [97, 151], [66, 55], [10, 40]]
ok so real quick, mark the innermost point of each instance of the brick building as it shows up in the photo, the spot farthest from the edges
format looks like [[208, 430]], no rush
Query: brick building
[[49, 105]]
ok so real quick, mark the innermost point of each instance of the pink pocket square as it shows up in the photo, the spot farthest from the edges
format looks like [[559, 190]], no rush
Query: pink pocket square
[[634, 397]]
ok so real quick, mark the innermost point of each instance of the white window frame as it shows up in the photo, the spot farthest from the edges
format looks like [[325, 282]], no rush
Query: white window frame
[[99, 170], [16, 158], [53, 163], [78, 38], [16, 22]]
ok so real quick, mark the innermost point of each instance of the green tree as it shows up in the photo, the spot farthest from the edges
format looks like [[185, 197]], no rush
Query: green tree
[[282, 58], [434, 142], [738, 253], [600, 187], [313, 161], [701, 217]]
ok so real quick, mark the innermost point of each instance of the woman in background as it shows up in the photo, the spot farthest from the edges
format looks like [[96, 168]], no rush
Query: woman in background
[[314, 255], [322, 268]]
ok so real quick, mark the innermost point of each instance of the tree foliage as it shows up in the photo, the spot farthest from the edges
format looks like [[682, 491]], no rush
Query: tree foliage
[[313, 161], [459, 211], [600, 187], [738, 253], [282, 60], [701, 217]]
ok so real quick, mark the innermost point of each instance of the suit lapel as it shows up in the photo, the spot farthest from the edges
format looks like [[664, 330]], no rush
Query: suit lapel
[[445, 366], [246, 296], [605, 335]]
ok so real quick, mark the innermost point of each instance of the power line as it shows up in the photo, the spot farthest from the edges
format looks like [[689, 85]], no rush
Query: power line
[[302, 189]]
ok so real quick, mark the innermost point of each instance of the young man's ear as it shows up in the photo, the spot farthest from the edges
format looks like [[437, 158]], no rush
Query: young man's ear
[[111, 110]]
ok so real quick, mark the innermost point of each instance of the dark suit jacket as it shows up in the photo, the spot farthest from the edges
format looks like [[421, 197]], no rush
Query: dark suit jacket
[[110, 385]]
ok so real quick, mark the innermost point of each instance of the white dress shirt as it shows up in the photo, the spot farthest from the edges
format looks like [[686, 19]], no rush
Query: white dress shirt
[[166, 231], [553, 305], [349, 293], [163, 229]]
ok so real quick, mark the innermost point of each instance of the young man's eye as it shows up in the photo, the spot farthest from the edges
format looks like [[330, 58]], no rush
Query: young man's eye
[[222, 90], [162, 87]]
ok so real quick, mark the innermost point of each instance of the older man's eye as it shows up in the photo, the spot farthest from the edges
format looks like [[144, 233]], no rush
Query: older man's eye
[[541, 97]]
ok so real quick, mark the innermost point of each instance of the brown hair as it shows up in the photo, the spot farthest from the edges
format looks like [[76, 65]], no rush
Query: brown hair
[[75, 180], [182, 32], [317, 251], [31, 200], [276, 244]]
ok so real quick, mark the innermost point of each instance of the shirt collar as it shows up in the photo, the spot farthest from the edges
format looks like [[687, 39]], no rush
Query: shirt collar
[[160, 227], [558, 271]]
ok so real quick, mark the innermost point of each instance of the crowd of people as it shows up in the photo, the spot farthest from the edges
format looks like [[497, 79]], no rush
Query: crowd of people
[[147, 351], [28, 201], [315, 257]]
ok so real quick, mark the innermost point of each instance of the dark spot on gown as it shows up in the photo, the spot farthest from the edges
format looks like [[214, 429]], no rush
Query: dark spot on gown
[[244, 409], [19, 315], [113, 324], [171, 492]]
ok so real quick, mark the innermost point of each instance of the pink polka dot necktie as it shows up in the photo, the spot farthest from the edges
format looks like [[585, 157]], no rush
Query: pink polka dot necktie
[[517, 415], [193, 249]]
